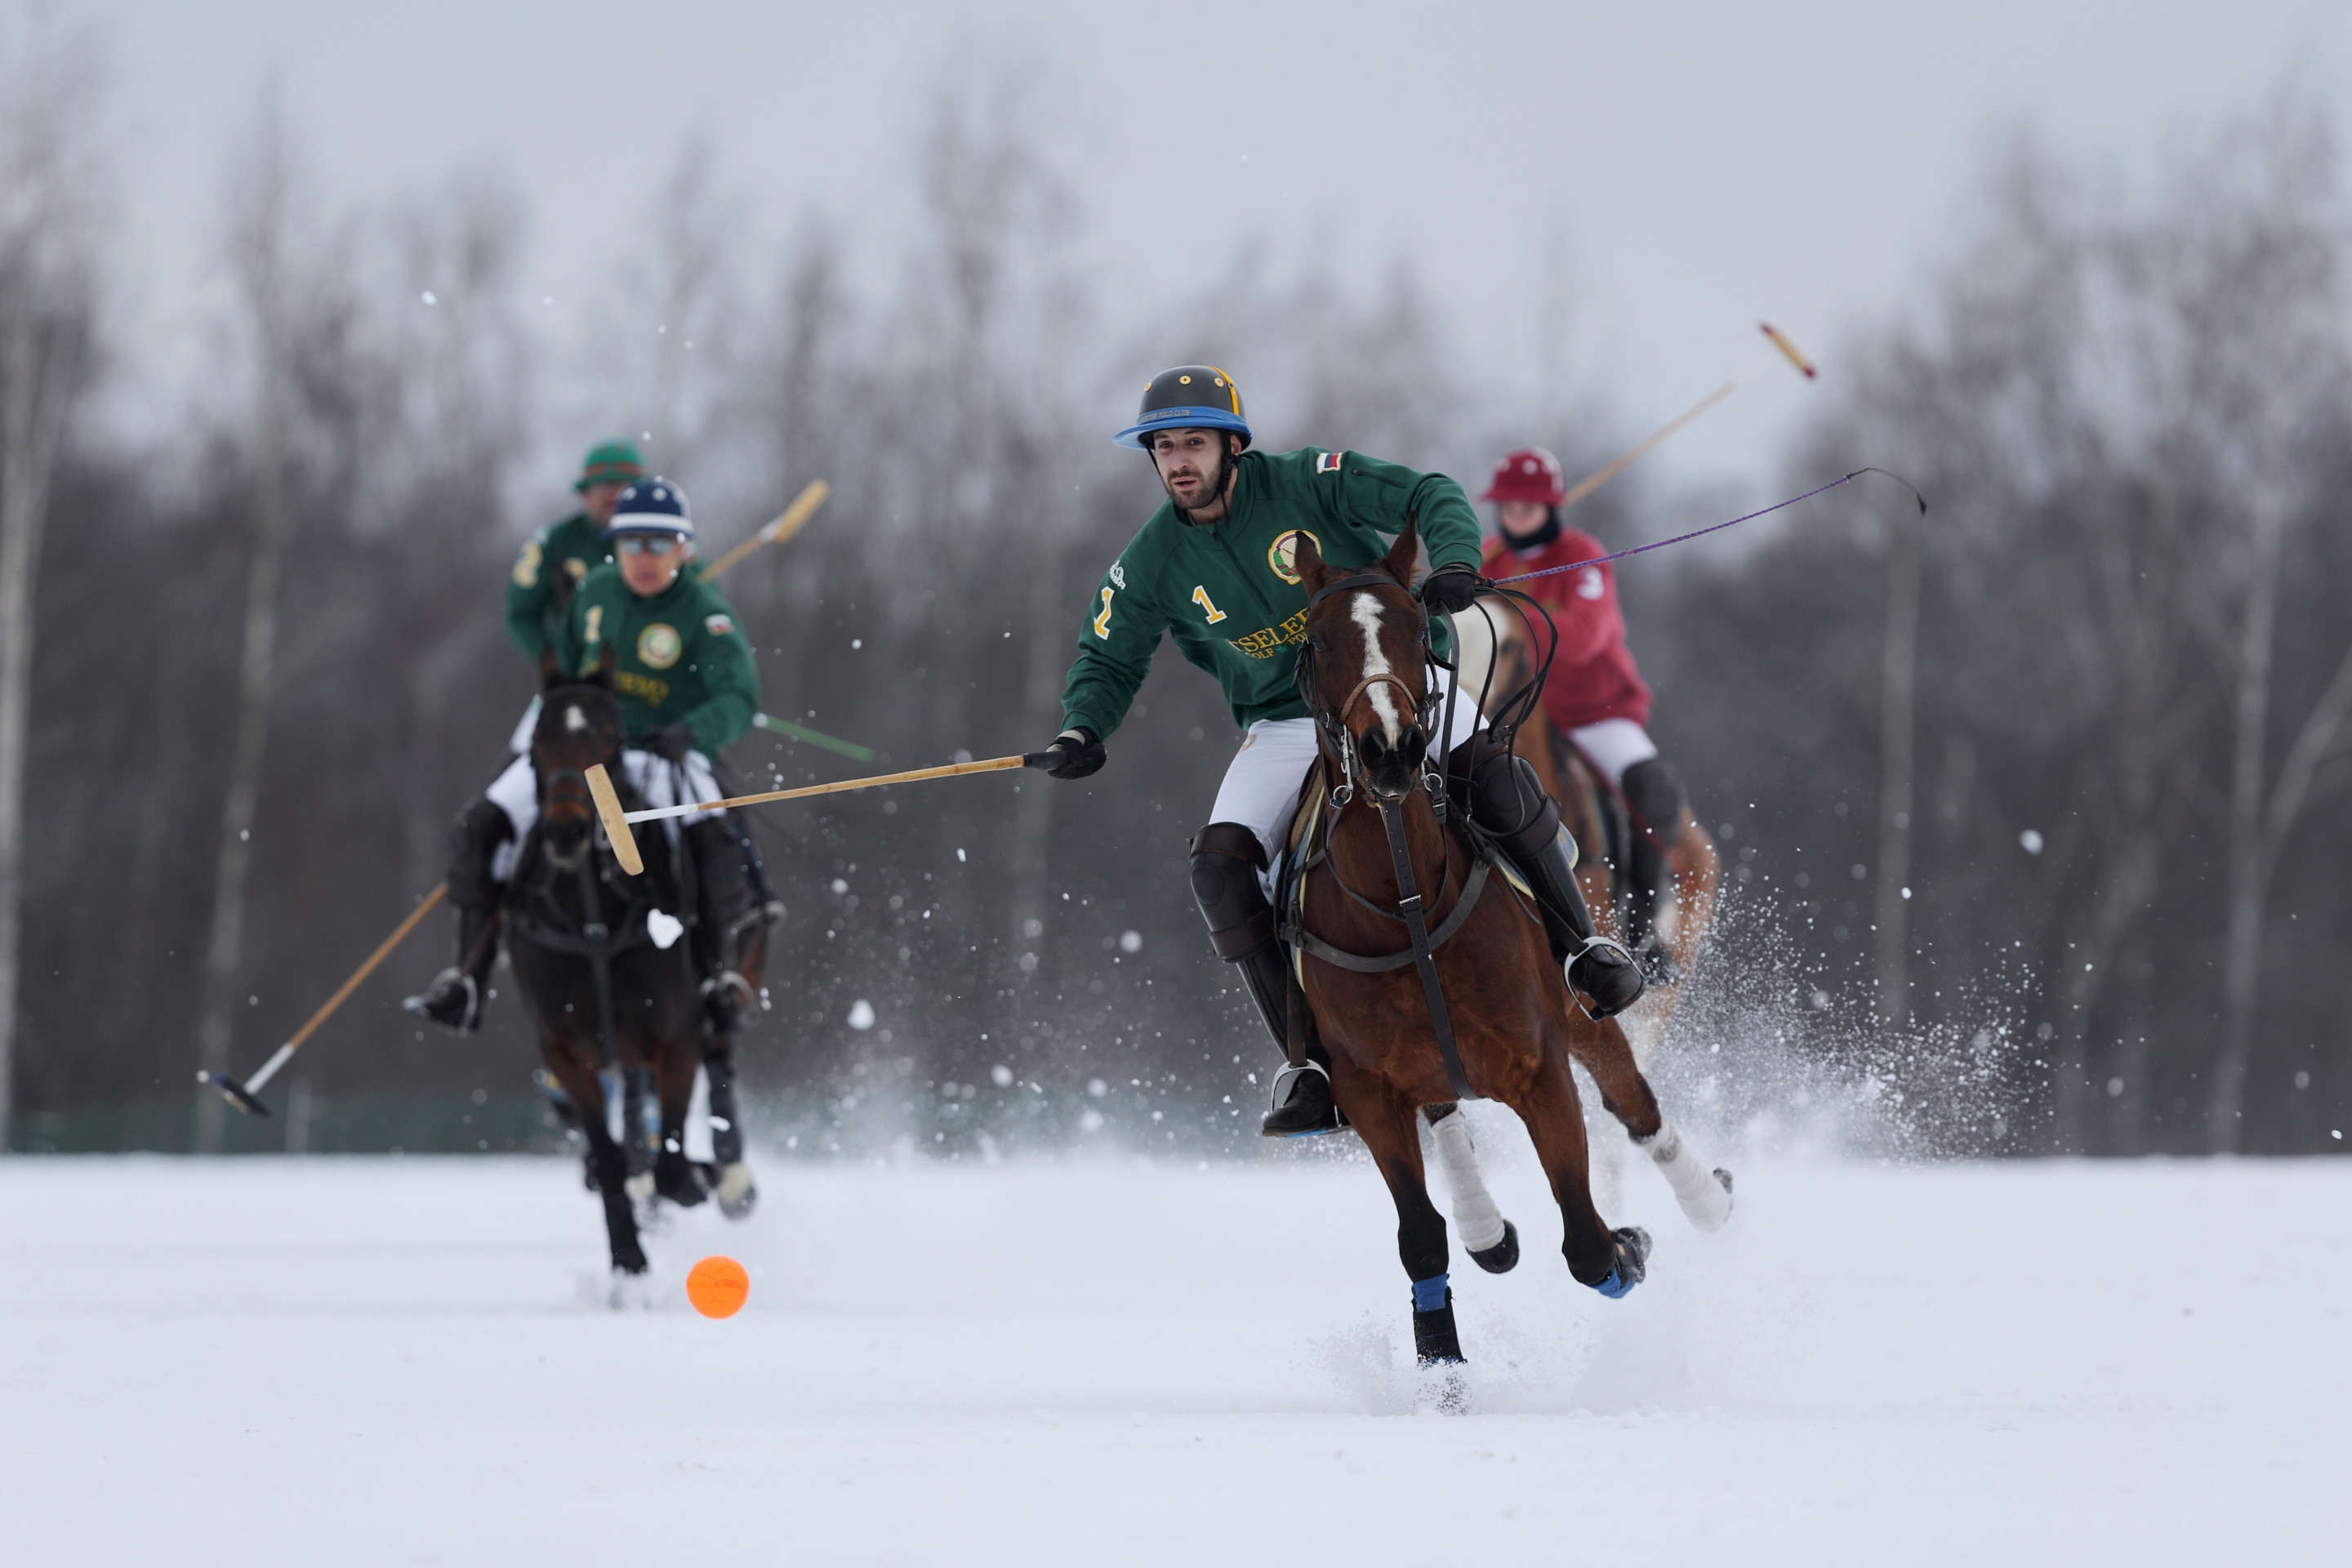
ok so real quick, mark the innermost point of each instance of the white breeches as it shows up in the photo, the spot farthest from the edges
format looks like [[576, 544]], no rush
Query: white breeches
[[516, 792], [1614, 745], [1261, 787], [520, 741]]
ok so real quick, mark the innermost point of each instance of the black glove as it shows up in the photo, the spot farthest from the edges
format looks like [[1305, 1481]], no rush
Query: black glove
[[1074, 754], [671, 742], [1449, 590]]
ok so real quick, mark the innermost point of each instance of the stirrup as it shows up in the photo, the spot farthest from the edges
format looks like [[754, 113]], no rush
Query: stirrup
[[1279, 1098], [1594, 1009]]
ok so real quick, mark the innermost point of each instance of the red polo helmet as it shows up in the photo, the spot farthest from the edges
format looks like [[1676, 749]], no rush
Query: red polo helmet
[[1530, 473]]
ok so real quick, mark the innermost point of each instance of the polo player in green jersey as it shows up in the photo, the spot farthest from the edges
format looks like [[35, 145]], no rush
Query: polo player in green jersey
[[557, 559], [688, 687], [1213, 569]]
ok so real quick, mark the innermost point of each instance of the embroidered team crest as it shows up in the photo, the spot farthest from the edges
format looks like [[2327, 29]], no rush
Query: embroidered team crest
[[1327, 462], [658, 646], [1118, 575], [718, 626], [1283, 555]]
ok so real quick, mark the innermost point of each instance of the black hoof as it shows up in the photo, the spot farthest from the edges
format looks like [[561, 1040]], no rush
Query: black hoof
[[1504, 1256]]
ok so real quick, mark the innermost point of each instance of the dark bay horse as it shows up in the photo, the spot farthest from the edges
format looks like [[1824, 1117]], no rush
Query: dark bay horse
[[1382, 860], [608, 992]]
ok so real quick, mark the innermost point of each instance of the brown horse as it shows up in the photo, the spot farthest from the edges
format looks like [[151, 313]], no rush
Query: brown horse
[[605, 973], [1384, 876], [1601, 825]]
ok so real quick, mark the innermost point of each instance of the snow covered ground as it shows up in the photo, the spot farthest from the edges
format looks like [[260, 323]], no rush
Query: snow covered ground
[[1104, 1361]]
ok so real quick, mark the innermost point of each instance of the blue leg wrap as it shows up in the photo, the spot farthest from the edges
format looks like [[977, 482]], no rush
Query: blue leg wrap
[[1616, 1285], [1429, 1295]]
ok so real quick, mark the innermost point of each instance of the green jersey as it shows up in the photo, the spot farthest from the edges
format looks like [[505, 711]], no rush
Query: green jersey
[[677, 655], [1229, 594], [554, 563]]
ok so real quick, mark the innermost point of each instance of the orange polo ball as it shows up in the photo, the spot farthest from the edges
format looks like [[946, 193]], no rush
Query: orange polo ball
[[717, 1287]]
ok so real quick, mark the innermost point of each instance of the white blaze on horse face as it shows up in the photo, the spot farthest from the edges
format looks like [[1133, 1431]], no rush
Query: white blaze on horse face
[[1365, 611], [574, 720]]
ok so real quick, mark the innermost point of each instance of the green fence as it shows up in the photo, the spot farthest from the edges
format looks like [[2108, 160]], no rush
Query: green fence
[[302, 1123]]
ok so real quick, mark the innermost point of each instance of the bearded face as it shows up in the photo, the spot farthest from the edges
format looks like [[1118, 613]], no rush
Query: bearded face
[[1194, 466]]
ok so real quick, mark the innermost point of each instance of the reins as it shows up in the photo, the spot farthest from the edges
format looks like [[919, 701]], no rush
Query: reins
[[1412, 909]]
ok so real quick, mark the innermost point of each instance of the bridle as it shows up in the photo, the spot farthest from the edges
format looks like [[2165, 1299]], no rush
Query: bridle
[[1331, 724]]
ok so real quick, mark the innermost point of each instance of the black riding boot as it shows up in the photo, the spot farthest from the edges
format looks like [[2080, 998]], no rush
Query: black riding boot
[[1653, 799], [1225, 860], [455, 998], [1508, 802], [722, 898]]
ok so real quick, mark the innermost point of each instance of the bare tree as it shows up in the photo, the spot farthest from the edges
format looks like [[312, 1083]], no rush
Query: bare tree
[[46, 322]]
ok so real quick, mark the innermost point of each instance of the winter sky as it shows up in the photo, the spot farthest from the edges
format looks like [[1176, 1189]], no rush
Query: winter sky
[[1670, 174]]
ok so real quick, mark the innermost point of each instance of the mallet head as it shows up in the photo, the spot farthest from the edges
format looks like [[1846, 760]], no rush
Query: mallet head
[[232, 1091], [616, 823]]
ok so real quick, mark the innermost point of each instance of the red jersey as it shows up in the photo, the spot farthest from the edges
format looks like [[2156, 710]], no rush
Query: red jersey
[[1592, 676]]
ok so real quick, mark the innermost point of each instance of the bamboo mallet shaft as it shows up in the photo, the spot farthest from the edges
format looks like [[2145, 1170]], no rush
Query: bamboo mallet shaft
[[624, 848], [804, 507], [1780, 340]]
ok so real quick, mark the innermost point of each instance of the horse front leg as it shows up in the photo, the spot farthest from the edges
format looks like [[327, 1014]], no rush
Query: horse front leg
[[1703, 1194], [575, 1068], [676, 1058], [1612, 1262], [1386, 1122], [1492, 1241]]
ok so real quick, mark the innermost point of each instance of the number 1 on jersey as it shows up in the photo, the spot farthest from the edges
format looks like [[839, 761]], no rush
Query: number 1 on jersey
[[1201, 597]]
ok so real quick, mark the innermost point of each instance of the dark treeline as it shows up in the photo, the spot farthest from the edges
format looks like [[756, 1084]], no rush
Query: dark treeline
[[2127, 413]]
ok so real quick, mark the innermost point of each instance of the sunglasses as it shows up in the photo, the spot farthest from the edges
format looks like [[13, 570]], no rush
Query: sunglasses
[[650, 543]]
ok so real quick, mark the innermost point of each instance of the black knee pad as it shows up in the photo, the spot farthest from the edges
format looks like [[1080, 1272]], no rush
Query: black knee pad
[[1226, 859], [474, 839], [1654, 793], [1508, 800]]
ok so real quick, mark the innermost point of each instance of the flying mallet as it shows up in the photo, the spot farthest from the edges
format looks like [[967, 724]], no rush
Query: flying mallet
[[1780, 340]]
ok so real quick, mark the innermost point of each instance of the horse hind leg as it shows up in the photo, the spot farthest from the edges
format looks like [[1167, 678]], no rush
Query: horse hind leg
[[675, 1177], [641, 1130], [1492, 1241], [1704, 1195]]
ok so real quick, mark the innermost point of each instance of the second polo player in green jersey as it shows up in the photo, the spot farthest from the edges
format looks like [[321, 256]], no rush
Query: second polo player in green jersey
[[1213, 569]]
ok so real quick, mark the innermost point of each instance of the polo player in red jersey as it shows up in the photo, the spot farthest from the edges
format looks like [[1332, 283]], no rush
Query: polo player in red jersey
[[1595, 696]]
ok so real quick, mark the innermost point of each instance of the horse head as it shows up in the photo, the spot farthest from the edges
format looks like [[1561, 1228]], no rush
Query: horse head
[[1364, 670], [579, 727]]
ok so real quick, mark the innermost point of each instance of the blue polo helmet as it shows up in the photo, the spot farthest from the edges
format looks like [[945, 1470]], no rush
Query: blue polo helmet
[[1188, 397], [651, 505]]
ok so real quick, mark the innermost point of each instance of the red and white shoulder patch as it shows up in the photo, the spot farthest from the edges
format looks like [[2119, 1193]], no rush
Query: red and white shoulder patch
[[1327, 462], [718, 626]]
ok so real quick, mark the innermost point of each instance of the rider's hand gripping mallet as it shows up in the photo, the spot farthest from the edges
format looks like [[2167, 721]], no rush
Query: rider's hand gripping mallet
[[242, 1095], [624, 844]]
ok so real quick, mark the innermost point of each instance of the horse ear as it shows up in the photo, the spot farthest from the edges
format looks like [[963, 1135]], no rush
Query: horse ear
[[1398, 561], [1309, 562], [607, 661]]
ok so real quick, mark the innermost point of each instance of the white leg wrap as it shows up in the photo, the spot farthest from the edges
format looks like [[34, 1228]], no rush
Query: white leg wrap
[[1705, 1202], [1475, 1218], [736, 1191]]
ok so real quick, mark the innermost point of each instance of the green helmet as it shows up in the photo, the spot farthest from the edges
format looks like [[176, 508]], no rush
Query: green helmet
[[610, 463]]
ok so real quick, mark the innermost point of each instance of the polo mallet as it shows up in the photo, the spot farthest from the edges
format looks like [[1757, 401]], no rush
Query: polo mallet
[[242, 1095], [804, 507], [1780, 340], [624, 844]]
